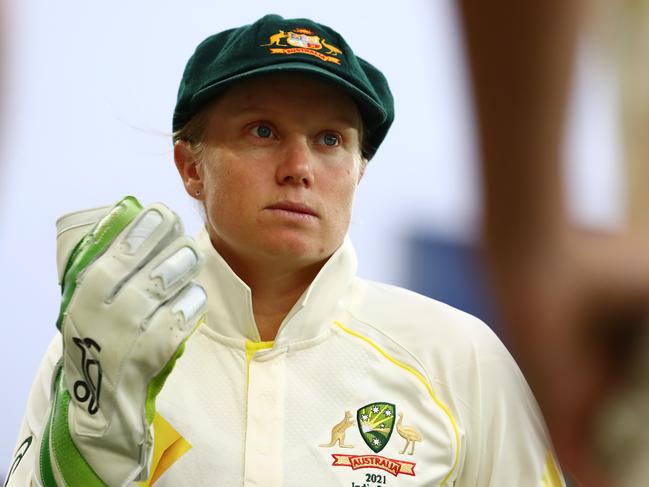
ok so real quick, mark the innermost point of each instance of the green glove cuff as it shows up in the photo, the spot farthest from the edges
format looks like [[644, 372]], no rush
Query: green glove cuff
[[58, 451]]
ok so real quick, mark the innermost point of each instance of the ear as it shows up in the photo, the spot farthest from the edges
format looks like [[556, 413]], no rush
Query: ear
[[187, 165]]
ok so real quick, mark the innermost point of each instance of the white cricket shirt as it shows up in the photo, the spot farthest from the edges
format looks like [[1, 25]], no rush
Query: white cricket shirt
[[365, 385]]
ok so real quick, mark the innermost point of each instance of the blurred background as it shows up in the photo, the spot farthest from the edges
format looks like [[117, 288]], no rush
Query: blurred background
[[89, 88]]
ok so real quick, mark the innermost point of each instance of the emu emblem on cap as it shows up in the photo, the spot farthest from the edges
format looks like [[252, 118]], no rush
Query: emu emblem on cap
[[303, 41]]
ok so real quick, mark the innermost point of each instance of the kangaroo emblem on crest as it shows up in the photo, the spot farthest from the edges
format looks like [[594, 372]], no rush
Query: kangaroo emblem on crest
[[275, 39], [338, 432]]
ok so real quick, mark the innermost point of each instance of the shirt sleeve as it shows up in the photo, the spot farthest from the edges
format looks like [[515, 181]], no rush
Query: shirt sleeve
[[506, 439], [21, 471]]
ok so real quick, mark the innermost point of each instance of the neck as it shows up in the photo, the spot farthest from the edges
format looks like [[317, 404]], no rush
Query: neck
[[275, 288], [273, 298]]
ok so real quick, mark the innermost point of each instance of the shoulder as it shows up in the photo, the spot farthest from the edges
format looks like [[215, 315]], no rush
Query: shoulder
[[423, 325], [461, 357], [464, 363]]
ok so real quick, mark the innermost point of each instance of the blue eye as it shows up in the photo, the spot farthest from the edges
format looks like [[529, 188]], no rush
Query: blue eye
[[262, 131], [329, 139]]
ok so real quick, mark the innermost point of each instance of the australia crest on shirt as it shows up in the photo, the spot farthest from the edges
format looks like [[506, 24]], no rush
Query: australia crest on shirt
[[375, 424]]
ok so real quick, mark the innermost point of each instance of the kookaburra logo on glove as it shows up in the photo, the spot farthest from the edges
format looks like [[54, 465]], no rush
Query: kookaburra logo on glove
[[88, 389]]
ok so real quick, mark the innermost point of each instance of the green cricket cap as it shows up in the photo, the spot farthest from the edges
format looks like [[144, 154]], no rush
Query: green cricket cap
[[274, 44]]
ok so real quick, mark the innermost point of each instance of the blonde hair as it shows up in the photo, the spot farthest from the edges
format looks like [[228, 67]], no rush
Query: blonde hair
[[193, 131]]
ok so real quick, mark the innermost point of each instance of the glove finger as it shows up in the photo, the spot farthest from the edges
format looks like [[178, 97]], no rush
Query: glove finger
[[156, 226], [151, 232], [141, 243], [168, 328], [161, 278]]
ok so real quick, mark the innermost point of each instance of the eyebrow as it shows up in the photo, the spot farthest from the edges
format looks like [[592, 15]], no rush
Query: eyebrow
[[347, 121]]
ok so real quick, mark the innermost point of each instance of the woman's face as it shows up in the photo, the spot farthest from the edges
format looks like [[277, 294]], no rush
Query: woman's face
[[279, 170]]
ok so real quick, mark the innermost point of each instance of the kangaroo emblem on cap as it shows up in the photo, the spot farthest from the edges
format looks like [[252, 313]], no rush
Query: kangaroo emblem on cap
[[275, 39]]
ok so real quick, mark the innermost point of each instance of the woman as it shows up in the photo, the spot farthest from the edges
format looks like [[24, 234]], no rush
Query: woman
[[301, 373]]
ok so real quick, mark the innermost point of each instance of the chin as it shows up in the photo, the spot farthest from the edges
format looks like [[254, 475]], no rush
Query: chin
[[307, 251]]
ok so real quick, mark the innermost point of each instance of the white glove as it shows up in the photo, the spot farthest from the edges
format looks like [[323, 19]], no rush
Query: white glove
[[128, 306]]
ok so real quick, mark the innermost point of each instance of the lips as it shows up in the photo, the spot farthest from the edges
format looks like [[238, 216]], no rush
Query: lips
[[293, 207]]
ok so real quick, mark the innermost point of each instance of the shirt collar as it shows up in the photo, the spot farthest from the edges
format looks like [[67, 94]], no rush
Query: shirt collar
[[230, 299]]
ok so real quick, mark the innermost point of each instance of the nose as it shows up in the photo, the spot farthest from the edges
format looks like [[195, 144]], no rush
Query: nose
[[296, 164]]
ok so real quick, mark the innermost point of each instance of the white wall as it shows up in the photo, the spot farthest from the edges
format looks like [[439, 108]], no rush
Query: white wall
[[90, 91]]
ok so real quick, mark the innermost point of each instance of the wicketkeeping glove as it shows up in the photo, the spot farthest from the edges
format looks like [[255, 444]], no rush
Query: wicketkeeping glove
[[128, 306]]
